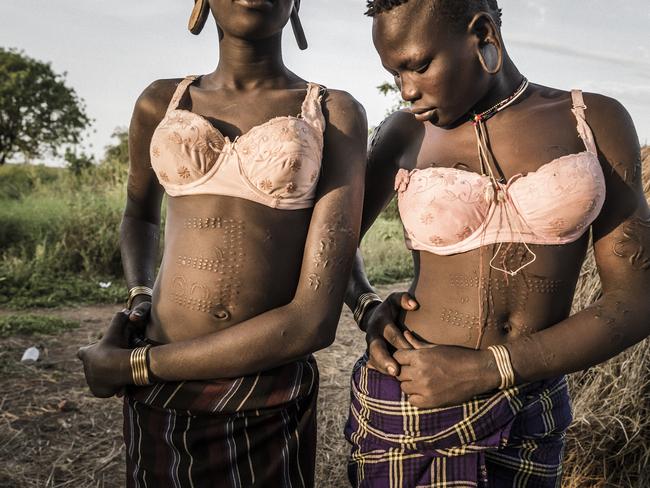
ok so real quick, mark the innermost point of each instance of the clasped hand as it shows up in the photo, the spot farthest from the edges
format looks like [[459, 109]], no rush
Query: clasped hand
[[106, 362], [430, 375]]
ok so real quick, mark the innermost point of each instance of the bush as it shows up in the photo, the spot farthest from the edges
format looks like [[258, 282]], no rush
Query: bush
[[19, 180], [73, 234], [78, 162], [59, 234]]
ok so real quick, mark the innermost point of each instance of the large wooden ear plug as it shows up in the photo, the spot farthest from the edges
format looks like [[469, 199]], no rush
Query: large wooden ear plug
[[199, 16]]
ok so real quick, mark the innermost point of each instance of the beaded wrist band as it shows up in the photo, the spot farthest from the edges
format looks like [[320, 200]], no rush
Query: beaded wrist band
[[504, 365], [363, 302], [139, 366], [135, 291]]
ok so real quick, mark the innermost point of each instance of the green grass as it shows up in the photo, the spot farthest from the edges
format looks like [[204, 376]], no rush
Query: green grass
[[59, 236], [385, 257], [56, 248], [51, 291], [29, 324], [18, 180], [75, 233]]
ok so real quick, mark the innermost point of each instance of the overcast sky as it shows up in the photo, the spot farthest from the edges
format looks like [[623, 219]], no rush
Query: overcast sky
[[113, 50]]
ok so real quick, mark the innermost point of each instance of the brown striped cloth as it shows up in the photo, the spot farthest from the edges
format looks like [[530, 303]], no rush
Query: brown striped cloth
[[254, 431]]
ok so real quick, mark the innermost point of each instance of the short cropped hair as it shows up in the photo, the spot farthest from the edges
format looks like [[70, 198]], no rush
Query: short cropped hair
[[459, 12]]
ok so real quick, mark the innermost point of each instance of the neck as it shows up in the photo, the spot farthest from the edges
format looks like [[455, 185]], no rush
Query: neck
[[249, 64], [502, 86]]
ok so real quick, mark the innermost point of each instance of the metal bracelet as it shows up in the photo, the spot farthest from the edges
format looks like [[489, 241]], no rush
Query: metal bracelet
[[363, 302], [504, 365], [135, 291], [139, 367]]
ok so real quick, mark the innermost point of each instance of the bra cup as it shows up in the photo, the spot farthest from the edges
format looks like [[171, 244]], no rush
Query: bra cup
[[276, 163], [442, 208], [562, 199], [283, 161], [183, 149]]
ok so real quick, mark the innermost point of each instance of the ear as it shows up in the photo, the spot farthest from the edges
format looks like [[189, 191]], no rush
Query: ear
[[199, 16], [489, 46]]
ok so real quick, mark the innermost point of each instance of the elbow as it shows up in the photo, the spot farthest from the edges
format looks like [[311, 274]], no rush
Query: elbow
[[325, 338], [321, 335], [630, 309], [315, 323]]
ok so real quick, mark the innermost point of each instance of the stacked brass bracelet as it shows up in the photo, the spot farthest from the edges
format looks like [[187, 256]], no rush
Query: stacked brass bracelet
[[504, 365], [363, 301], [139, 366], [135, 291]]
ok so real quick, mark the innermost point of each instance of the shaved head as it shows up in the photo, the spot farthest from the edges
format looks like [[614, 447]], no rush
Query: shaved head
[[406, 22], [457, 13], [436, 51]]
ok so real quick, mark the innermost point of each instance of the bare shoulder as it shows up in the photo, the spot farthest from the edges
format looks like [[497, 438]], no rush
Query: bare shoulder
[[615, 136], [394, 135], [611, 123], [149, 110], [343, 111], [620, 155], [399, 128], [152, 103]]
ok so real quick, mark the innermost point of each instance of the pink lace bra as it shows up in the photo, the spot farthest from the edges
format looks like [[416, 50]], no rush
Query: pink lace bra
[[447, 211], [276, 163]]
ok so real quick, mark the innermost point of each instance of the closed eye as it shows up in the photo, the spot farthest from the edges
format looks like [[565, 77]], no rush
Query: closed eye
[[422, 68], [394, 74]]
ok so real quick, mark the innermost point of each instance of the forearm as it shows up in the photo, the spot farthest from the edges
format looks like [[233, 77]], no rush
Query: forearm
[[139, 240], [358, 283], [271, 339], [596, 334]]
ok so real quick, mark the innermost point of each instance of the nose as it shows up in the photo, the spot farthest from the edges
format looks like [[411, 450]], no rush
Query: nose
[[408, 89]]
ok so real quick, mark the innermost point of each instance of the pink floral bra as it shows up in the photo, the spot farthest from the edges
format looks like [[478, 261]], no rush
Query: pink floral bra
[[447, 211], [276, 163]]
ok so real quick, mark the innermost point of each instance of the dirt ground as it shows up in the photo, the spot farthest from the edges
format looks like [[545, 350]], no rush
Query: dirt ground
[[53, 433]]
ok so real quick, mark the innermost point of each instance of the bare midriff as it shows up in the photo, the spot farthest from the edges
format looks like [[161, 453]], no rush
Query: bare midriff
[[225, 260], [464, 302]]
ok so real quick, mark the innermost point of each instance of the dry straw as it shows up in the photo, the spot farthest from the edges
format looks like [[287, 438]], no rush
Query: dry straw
[[609, 441]]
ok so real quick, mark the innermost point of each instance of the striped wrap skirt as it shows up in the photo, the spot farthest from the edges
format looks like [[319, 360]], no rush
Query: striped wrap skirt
[[254, 431], [509, 438]]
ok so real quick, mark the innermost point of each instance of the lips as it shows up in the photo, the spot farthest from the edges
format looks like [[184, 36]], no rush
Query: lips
[[423, 114], [255, 4]]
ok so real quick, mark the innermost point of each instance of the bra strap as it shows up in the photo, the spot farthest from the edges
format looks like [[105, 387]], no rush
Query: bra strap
[[312, 110], [180, 91], [584, 131]]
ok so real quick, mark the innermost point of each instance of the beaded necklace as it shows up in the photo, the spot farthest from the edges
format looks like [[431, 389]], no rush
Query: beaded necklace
[[488, 164], [486, 114], [495, 191]]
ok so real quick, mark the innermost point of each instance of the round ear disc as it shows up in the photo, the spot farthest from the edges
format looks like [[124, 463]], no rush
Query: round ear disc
[[199, 16]]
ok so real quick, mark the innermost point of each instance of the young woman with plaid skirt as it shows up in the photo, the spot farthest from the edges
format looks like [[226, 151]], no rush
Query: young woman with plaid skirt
[[500, 184]]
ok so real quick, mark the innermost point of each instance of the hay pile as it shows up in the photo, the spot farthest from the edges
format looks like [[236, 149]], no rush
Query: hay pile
[[609, 441]]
